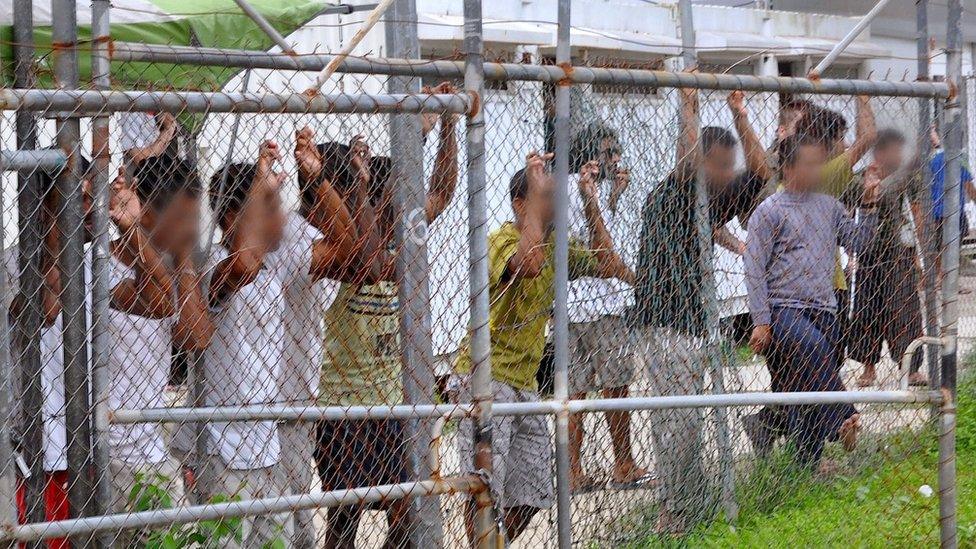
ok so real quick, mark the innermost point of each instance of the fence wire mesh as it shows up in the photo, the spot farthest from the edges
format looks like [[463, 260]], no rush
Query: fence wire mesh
[[255, 261]]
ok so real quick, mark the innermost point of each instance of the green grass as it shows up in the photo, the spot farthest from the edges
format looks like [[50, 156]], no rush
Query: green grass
[[875, 503]]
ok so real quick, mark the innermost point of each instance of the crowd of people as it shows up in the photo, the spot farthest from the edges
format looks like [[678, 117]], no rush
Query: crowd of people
[[300, 307]]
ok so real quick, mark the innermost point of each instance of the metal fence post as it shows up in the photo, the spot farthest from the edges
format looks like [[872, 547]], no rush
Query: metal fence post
[[928, 247], [8, 467], [406, 151], [951, 198], [482, 395], [29, 322], [948, 537], [101, 155], [717, 354], [71, 223], [950, 282], [564, 509]]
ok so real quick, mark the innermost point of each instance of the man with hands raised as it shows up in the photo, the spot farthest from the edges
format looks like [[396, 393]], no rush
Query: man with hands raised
[[521, 291]]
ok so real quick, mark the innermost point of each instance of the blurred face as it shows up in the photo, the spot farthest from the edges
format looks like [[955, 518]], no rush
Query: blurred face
[[539, 198], [787, 123], [610, 153], [890, 156], [805, 173], [175, 227], [719, 167]]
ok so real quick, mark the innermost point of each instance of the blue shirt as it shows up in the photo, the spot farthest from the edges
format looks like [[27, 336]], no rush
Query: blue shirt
[[938, 166]]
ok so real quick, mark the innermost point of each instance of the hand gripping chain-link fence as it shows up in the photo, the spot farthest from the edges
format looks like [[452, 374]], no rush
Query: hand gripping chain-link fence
[[453, 302]]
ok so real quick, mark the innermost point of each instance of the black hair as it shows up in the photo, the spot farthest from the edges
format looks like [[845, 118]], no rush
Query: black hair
[[713, 136], [795, 105], [335, 169], [888, 137], [789, 148], [518, 187], [230, 196], [381, 168], [587, 144], [160, 179], [826, 125]]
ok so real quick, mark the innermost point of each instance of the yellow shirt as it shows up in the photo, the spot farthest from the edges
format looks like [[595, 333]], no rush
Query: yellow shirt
[[519, 308]]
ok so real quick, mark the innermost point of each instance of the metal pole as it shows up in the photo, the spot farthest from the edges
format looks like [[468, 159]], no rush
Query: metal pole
[[8, 468], [951, 199], [846, 41], [79, 102], [222, 57], [689, 53], [30, 321], [564, 509], [406, 151], [245, 508], [101, 155], [716, 353], [480, 345], [947, 474], [222, 414], [71, 223], [265, 26], [928, 247], [29, 161]]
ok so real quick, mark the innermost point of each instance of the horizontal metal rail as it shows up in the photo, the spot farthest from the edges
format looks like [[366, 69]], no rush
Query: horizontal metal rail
[[236, 509], [81, 102], [543, 407], [188, 55], [31, 160]]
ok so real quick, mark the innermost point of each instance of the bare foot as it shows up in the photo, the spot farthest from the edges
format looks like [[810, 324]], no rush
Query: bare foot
[[867, 378], [581, 482], [628, 472], [669, 524], [917, 379], [848, 432], [827, 468]]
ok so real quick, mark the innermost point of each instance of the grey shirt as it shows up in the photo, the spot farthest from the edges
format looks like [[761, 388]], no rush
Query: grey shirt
[[791, 251]]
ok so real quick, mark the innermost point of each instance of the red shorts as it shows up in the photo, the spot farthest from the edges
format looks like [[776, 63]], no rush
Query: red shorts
[[55, 504]]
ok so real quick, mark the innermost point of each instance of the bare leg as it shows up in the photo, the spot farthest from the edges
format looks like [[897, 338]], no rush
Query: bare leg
[[517, 519], [398, 533], [341, 526], [577, 478], [868, 377], [625, 469]]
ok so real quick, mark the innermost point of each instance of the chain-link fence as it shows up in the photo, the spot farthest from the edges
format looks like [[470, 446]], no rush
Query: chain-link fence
[[452, 302]]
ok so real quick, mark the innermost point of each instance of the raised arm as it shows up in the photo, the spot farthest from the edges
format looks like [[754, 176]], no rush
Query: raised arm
[[444, 179], [751, 146], [530, 255], [610, 264], [193, 328], [245, 246], [336, 254], [167, 130], [687, 155], [865, 131], [150, 293]]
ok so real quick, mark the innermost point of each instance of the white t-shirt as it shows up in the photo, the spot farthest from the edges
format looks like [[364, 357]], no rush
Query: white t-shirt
[[592, 298], [139, 355], [242, 362], [138, 129], [54, 439], [305, 304]]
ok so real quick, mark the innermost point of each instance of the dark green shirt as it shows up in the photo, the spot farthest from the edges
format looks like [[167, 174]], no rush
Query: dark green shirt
[[670, 270], [891, 235]]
